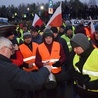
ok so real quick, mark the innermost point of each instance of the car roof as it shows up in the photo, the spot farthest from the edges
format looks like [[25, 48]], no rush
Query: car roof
[[4, 27]]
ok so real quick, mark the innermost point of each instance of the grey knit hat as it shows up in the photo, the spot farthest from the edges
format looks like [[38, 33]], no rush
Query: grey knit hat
[[80, 40], [26, 35]]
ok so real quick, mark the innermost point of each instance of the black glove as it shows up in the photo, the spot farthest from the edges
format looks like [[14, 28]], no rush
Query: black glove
[[57, 64], [84, 79], [80, 77], [93, 85]]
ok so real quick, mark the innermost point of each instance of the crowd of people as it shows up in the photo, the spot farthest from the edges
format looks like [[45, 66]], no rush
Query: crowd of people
[[28, 55]]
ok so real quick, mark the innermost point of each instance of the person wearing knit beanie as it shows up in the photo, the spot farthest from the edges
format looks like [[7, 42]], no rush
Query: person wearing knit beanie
[[84, 67], [47, 33], [68, 28], [80, 40], [26, 35], [9, 32]]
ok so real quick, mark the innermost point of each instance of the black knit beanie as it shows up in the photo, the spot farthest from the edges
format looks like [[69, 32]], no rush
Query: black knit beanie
[[54, 29], [80, 40], [69, 27], [9, 30], [47, 33], [8, 33]]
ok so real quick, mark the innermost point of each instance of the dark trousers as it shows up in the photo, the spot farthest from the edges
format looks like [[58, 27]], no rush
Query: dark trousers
[[47, 93], [86, 94]]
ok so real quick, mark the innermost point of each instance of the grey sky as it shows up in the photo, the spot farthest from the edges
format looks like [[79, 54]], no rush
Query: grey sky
[[17, 2]]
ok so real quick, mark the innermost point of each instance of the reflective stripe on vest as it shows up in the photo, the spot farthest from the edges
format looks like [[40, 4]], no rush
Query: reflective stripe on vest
[[90, 72], [51, 61], [69, 46], [29, 58], [21, 32], [18, 40], [67, 41]]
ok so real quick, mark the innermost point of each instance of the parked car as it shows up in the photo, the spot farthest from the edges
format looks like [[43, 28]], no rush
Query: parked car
[[4, 27]]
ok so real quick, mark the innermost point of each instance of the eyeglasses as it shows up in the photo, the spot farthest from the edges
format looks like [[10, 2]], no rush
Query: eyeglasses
[[10, 48]]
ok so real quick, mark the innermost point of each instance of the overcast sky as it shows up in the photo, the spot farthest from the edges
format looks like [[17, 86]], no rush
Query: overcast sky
[[17, 2]]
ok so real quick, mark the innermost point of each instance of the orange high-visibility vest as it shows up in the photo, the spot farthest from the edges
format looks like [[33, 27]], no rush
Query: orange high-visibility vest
[[53, 57], [29, 56], [88, 34]]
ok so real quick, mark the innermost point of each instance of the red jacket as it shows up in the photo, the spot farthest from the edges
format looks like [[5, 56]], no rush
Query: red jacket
[[19, 58]]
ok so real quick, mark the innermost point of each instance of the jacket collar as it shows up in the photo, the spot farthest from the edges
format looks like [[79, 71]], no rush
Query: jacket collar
[[3, 58]]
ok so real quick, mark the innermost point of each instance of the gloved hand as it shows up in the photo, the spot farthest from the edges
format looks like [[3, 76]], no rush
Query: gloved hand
[[82, 79], [79, 76], [93, 85], [57, 64]]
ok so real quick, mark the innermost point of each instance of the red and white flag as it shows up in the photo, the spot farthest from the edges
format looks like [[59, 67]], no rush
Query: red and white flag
[[37, 21], [92, 26], [56, 19]]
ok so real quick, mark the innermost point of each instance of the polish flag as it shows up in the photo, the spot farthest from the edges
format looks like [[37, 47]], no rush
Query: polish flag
[[37, 21], [92, 26], [56, 19]]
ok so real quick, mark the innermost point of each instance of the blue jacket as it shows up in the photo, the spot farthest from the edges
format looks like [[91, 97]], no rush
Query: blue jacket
[[37, 39]]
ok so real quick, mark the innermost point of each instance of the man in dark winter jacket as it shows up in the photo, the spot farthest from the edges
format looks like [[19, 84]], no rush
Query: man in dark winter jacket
[[36, 37], [13, 80]]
